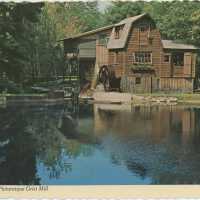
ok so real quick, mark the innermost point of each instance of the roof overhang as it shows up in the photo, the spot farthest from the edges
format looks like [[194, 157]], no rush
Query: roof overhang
[[88, 33], [173, 45], [125, 21]]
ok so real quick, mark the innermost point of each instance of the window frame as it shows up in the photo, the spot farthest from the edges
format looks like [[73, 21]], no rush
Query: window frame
[[118, 31], [169, 58], [176, 54], [139, 61]]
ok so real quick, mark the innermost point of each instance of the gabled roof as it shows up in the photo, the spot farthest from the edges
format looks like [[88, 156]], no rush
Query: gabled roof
[[124, 21], [131, 19], [170, 44], [121, 42], [89, 32]]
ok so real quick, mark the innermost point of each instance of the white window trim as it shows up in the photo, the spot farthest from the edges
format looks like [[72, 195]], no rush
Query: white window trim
[[167, 54], [134, 62]]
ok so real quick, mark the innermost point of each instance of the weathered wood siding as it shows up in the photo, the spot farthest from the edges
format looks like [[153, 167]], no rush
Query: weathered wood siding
[[148, 83], [136, 42], [166, 67], [117, 60], [170, 70], [102, 53], [189, 69], [178, 78], [140, 42], [176, 84], [166, 77]]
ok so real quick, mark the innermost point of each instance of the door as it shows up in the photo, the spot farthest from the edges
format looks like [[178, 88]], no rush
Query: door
[[187, 64]]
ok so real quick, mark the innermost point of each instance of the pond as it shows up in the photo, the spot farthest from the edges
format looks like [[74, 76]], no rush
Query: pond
[[99, 144]]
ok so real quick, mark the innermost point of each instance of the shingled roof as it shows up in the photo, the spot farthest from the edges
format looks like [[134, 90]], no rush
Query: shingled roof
[[129, 21], [121, 42], [170, 44], [88, 33]]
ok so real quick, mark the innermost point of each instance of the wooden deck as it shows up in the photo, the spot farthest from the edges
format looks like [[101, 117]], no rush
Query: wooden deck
[[112, 97]]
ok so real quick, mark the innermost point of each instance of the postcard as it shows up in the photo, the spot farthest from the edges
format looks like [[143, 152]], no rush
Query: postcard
[[100, 99]]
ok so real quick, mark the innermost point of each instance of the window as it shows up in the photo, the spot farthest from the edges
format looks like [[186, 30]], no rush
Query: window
[[143, 28], [116, 57], [137, 80], [166, 58], [143, 57], [117, 32], [178, 58]]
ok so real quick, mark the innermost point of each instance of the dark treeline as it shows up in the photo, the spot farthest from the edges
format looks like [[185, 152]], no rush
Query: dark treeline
[[29, 32]]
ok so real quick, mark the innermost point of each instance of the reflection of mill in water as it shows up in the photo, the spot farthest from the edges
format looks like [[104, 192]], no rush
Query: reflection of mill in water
[[69, 119], [73, 105], [68, 126]]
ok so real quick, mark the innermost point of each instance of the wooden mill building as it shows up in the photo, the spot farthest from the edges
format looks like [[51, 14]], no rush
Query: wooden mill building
[[133, 49]]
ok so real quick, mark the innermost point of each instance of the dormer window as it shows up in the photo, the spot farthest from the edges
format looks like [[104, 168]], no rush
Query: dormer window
[[144, 34], [117, 32]]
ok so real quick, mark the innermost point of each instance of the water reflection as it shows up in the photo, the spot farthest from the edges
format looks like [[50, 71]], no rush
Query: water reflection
[[104, 144], [160, 142]]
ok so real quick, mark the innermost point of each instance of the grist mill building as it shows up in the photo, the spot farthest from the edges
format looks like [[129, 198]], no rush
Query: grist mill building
[[139, 59]]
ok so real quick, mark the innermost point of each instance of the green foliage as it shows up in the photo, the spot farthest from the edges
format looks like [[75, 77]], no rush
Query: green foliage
[[195, 19], [14, 38], [46, 57], [29, 32], [141, 67], [177, 20], [120, 10], [7, 86], [87, 14]]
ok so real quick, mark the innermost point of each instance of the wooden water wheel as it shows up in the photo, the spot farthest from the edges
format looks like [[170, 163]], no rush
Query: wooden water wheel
[[108, 78], [104, 77]]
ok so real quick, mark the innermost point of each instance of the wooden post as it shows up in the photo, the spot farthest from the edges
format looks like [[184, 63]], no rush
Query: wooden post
[[95, 77]]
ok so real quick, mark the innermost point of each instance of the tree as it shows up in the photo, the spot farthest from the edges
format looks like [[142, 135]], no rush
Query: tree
[[177, 20], [57, 21], [14, 37], [120, 10], [196, 26]]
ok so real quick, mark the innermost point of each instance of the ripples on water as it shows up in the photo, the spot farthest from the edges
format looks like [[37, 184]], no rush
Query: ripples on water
[[102, 144]]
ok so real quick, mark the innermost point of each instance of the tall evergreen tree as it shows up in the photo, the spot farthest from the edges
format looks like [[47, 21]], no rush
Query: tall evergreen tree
[[15, 20]]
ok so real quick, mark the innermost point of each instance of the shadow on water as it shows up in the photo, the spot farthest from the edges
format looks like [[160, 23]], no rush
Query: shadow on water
[[99, 144], [29, 135], [17, 151]]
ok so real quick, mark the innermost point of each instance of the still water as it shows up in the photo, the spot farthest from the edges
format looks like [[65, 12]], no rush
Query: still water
[[100, 144]]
